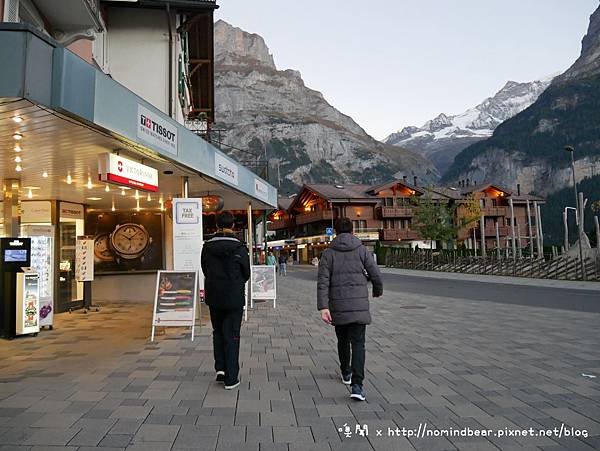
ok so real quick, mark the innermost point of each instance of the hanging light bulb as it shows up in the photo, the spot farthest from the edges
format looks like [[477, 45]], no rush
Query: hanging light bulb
[[17, 136], [18, 168], [107, 188], [149, 198], [137, 206], [18, 159], [89, 183], [18, 148], [18, 119], [122, 191], [113, 206], [137, 195], [45, 174], [29, 194], [69, 178]]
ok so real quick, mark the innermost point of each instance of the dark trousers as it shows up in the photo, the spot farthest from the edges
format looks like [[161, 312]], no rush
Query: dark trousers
[[352, 336], [226, 341]]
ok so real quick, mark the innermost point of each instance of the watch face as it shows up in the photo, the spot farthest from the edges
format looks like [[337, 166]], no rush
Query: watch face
[[130, 240], [102, 248]]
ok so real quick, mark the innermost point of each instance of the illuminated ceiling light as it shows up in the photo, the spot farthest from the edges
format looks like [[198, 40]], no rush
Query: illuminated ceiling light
[[18, 168], [137, 206], [149, 198], [18, 159], [122, 191], [18, 148], [94, 198], [18, 136], [17, 119], [29, 194], [69, 178], [137, 195], [45, 174], [113, 206], [89, 183], [107, 188]]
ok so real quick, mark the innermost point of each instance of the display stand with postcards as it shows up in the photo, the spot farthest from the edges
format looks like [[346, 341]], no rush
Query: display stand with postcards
[[264, 283]]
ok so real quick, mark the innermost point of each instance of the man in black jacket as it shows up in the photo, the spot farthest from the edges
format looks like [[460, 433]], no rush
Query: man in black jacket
[[343, 300], [226, 268]]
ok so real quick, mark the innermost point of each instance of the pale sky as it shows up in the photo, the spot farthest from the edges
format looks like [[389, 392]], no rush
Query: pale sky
[[393, 63]]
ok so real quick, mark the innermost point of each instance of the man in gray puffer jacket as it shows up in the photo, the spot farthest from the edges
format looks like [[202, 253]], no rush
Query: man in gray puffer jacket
[[343, 300]]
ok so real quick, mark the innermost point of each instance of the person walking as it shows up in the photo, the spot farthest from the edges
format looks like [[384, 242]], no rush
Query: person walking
[[343, 300], [271, 260], [226, 266], [282, 264]]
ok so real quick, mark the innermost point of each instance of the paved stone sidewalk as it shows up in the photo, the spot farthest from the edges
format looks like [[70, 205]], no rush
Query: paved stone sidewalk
[[96, 383]]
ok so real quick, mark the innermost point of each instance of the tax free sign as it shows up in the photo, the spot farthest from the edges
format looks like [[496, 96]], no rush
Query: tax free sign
[[115, 169]]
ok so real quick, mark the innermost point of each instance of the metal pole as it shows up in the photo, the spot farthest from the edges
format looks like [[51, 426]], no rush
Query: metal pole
[[530, 230], [474, 242], [538, 216], [581, 234], [579, 209], [597, 226], [482, 227], [512, 227], [566, 227], [498, 239], [251, 256], [519, 240]]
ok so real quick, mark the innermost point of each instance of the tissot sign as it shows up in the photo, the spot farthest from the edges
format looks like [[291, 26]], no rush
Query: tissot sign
[[113, 168], [156, 130]]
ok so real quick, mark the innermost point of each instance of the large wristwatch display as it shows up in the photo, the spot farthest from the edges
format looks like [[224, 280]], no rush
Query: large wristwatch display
[[130, 241]]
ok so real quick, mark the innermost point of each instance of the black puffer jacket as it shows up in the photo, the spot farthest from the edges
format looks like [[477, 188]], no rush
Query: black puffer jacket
[[342, 285], [226, 268]]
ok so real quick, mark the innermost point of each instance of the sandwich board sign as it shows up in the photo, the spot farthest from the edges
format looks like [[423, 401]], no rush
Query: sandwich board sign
[[175, 300], [264, 283]]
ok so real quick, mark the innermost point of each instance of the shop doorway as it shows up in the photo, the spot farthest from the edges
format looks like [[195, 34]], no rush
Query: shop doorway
[[70, 226]]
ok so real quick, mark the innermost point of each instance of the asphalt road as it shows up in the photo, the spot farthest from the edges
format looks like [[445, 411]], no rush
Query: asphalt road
[[554, 298]]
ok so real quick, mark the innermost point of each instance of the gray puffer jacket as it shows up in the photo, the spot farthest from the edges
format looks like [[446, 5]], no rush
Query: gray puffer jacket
[[342, 284]]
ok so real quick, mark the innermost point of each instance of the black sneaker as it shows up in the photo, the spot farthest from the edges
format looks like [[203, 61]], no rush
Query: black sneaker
[[232, 386], [220, 376], [358, 393], [347, 378]]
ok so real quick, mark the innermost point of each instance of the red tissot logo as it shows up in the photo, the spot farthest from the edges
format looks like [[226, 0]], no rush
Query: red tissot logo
[[120, 166]]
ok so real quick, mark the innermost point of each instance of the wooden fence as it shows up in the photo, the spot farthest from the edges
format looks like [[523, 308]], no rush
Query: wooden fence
[[465, 261]]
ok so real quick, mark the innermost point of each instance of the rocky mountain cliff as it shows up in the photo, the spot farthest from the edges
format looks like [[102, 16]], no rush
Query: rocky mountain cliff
[[442, 138], [265, 110], [529, 148]]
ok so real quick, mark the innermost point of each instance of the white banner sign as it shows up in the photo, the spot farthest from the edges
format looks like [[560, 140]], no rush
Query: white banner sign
[[36, 211], [113, 168], [84, 259], [261, 189], [156, 130], [226, 169], [71, 211], [175, 300], [187, 234]]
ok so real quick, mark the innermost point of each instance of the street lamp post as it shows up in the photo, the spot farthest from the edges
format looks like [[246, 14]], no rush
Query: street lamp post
[[571, 150]]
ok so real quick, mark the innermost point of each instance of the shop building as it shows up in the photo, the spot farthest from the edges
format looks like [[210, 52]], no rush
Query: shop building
[[385, 214], [63, 119]]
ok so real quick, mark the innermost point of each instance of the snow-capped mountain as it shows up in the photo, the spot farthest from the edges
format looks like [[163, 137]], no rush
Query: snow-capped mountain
[[442, 138]]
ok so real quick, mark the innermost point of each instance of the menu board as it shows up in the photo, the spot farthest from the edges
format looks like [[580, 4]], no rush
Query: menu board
[[28, 294], [84, 259], [175, 299], [264, 284]]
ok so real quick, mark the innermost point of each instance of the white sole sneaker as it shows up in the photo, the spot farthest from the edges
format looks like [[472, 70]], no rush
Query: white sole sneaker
[[231, 387], [357, 396], [346, 382]]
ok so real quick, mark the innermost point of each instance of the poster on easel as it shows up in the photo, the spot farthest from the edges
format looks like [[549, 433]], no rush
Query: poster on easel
[[175, 300], [264, 283], [84, 259]]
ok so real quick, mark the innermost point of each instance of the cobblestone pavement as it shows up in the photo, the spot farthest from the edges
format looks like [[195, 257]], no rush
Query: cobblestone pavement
[[441, 365]]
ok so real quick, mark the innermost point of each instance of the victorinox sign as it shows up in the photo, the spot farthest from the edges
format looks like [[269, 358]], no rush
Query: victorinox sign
[[115, 169]]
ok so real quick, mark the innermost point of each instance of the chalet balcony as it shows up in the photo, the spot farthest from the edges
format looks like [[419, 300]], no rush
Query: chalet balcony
[[394, 212], [398, 235], [495, 211], [281, 224], [314, 216], [490, 231]]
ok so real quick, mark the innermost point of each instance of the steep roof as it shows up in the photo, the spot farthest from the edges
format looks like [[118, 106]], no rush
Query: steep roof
[[340, 192]]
